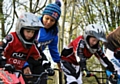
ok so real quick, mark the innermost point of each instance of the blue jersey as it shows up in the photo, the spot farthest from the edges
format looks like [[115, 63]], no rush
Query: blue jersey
[[47, 38]]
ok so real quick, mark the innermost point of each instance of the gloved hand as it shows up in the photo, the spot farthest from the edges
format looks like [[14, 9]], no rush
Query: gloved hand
[[50, 71], [86, 73], [112, 76], [113, 79], [9, 68]]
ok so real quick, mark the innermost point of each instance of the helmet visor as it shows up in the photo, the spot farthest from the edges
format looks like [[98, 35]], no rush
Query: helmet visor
[[31, 28], [100, 36]]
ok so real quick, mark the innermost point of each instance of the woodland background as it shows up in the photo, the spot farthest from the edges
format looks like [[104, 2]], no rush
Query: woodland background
[[76, 14]]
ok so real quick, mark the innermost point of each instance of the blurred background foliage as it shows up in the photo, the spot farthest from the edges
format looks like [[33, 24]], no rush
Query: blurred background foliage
[[76, 14]]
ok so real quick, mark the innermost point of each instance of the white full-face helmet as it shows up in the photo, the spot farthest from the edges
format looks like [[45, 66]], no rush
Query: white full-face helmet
[[96, 31], [28, 21]]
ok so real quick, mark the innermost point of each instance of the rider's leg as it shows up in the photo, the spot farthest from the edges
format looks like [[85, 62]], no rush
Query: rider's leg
[[71, 72]]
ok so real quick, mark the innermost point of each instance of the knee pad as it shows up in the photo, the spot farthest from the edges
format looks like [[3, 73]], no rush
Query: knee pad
[[74, 83]]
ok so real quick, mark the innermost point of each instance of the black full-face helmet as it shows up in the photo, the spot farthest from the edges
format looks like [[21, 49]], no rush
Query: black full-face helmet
[[28, 21], [96, 31]]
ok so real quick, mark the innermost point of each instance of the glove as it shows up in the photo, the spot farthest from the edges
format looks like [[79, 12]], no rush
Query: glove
[[112, 76], [86, 73], [9, 68], [112, 79], [50, 71]]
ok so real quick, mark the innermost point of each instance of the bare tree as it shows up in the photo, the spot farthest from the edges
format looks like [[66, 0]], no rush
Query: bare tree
[[11, 9], [2, 19]]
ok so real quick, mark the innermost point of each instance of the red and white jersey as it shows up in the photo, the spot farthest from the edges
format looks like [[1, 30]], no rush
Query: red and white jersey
[[76, 48], [16, 53]]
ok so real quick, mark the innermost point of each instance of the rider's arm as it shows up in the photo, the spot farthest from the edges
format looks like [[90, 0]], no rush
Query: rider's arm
[[83, 59], [81, 55], [5, 42], [104, 60], [41, 61], [53, 48], [3, 45]]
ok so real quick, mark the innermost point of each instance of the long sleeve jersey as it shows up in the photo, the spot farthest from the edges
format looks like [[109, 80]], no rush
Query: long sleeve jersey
[[16, 54], [48, 38], [77, 50]]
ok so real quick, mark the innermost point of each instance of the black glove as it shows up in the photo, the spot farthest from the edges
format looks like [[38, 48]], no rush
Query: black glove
[[50, 71], [113, 78], [9, 68], [86, 73]]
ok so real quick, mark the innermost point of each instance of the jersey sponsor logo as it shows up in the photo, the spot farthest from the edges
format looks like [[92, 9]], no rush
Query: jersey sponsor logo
[[19, 55], [115, 62], [15, 61], [45, 43]]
